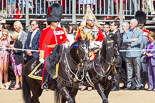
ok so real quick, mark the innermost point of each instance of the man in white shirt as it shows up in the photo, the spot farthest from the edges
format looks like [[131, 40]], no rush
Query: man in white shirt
[[115, 35], [32, 42], [106, 29]]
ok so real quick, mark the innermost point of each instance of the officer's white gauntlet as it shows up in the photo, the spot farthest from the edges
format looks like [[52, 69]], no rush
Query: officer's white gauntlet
[[41, 60]]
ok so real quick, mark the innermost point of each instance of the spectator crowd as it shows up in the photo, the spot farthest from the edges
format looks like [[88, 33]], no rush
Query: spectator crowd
[[137, 68], [16, 8], [19, 39], [138, 61]]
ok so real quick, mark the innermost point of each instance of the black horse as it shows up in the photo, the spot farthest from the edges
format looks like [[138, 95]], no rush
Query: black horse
[[100, 71], [69, 75]]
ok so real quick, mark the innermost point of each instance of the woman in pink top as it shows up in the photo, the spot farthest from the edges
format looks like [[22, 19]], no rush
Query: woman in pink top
[[4, 56]]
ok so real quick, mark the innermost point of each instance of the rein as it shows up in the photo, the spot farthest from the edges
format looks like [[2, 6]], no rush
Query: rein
[[62, 53], [57, 65], [112, 65], [106, 73], [75, 74]]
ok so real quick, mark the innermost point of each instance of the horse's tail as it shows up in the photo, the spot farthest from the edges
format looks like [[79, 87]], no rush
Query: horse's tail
[[57, 97], [26, 90]]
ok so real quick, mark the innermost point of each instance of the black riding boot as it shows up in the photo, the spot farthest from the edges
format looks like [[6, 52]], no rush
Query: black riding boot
[[45, 79]]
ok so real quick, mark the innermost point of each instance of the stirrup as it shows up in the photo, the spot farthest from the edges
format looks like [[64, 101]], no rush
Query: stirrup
[[44, 86]]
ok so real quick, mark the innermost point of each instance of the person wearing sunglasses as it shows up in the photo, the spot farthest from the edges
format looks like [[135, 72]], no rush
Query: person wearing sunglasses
[[4, 58], [32, 42]]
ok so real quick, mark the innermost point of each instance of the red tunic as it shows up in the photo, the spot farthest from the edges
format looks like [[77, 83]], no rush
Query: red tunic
[[48, 37], [145, 33], [99, 38]]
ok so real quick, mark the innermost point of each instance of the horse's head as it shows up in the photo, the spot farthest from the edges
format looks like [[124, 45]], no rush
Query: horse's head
[[109, 51], [79, 51]]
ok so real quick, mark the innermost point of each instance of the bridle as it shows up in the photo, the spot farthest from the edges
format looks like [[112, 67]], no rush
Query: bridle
[[79, 65], [110, 63], [84, 50]]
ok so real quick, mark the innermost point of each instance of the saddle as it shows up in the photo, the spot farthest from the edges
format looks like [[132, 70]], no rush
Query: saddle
[[53, 59], [37, 71]]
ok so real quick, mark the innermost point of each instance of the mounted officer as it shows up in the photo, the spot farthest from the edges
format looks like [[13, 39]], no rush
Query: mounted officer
[[50, 37], [90, 28]]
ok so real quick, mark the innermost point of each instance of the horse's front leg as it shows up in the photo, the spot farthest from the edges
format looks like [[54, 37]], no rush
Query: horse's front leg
[[100, 91], [64, 92]]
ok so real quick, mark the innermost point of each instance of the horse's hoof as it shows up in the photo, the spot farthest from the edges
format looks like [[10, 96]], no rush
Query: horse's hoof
[[105, 101], [71, 102]]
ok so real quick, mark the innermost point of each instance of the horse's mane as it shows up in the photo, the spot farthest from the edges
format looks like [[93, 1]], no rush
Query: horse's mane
[[107, 51], [73, 51]]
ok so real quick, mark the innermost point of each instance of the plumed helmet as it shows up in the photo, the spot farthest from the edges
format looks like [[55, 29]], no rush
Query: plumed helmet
[[89, 14], [141, 17], [54, 13]]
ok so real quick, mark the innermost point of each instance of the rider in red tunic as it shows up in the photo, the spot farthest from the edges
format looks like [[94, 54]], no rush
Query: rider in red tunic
[[50, 37]]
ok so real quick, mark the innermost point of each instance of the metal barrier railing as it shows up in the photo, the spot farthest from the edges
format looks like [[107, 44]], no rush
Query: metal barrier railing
[[73, 8]]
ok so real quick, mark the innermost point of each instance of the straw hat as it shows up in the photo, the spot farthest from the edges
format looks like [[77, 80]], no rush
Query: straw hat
[[14, 35]]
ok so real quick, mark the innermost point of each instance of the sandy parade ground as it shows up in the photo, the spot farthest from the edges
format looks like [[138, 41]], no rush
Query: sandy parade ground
[[121, 96]]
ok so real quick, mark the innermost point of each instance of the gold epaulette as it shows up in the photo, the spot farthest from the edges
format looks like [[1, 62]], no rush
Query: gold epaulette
[[81, 27]]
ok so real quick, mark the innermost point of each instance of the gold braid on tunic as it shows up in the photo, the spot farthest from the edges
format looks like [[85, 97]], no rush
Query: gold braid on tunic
[[88, 34]]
